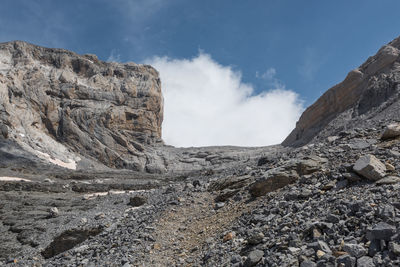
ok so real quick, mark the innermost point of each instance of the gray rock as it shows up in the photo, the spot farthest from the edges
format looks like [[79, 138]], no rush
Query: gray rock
[[346, 261], [253, 258], [320, 245], [374, 247], [388, 180], [310, 165], [333, 218], [370, 167], [137, 201], [391, 131], [54, 212], [381, 231], [308, 263], [272, 182], [365, 261], [255, 238], [355, 250], [394, 248]]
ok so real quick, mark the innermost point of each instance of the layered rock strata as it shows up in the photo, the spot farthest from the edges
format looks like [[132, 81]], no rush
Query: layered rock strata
[[65, 107], [365, 88]]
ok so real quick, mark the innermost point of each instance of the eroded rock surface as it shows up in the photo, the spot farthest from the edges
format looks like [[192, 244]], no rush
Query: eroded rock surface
[[373, 85], [64, 106]]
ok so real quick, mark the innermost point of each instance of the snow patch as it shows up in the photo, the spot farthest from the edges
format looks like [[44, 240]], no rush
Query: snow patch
[[71, 164], [13, 179], [111, 192]]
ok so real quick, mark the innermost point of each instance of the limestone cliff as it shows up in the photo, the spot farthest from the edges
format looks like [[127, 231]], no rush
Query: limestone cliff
[[63, 106], [362, 91]]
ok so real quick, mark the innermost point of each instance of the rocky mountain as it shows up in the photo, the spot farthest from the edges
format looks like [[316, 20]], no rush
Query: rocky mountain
[[81, 113], [67, 107], [91, 185], [370, 92]]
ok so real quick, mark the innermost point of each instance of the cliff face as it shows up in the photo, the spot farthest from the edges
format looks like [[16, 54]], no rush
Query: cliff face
[[363, 90], [62, 106]]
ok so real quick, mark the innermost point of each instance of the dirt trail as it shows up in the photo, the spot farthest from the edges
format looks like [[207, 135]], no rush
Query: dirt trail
[[183, 230]]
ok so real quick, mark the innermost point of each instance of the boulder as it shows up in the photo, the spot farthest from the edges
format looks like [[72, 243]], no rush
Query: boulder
[[370, 167], [253, 258], [273, 181], [381, 231], [391, 131]]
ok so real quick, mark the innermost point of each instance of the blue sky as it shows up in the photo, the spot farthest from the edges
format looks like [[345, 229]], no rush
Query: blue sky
[[305, 46]]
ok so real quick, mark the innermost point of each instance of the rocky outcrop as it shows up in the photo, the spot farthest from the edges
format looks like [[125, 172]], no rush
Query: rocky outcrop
[[74, 109], [365, 88]]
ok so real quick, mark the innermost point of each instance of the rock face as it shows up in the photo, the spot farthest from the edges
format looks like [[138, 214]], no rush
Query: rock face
[[372, 86], [64, 106]]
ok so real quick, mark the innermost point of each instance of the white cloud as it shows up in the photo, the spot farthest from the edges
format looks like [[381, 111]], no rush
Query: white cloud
[[268, 75], [208, 104]]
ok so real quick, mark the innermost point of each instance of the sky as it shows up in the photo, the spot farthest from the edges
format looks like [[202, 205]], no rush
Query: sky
[[233, 72]]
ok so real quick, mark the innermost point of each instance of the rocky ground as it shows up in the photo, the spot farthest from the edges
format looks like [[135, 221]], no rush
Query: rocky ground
[[292, 207], [85, 179]]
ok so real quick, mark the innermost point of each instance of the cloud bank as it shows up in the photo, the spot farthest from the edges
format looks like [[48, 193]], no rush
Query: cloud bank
[[207, 104]]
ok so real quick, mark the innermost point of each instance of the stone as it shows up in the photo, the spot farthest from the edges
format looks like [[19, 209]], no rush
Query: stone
[[332, 218], [219, 205], [370, 167], [99, 216], [389, 167], [308, 263], [331, 139], [54, 212], [255, 238], [272, 182], [381, 231], [346, 261], [226, 194], [391, 131], [229, 236], [320, 253], [294, 251], [320, 245], [355, 250], [388, 180], [253, 258], [374, 247], [394, 248], [137, 201], [365, 261], [309, 166]]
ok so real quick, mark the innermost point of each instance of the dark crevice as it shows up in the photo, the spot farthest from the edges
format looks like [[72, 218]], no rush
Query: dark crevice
[[68, 240]]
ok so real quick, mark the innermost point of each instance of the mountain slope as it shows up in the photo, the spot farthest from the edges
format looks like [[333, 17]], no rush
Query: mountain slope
[[365, 93]]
